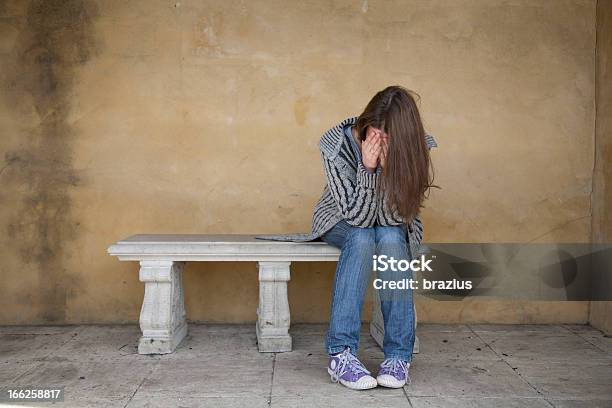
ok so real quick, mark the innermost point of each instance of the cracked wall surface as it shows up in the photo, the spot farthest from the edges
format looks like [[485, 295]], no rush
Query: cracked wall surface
[[601, 312], [204, 117]]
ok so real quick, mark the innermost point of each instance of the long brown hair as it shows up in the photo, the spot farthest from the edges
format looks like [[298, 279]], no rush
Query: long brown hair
[[408, 173]]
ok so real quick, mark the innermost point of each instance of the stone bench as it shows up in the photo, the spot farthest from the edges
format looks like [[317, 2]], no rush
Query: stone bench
[[162, 258]]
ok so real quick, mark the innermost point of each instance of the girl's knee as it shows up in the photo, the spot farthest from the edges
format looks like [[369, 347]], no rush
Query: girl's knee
[[362, 236], [395, 234]]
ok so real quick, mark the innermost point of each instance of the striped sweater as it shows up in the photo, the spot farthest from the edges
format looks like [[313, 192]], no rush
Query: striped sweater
[[351, 191]]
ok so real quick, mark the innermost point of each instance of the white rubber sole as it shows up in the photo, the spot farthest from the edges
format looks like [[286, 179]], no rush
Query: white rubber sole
[[389, 381], [364, 383]]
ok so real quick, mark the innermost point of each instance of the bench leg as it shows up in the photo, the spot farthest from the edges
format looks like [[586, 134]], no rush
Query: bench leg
[[273, 317], [162, 317]]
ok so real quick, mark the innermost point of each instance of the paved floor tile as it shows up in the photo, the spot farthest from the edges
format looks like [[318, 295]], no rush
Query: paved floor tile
[[20, 344], [204, 342], [246, 378], [460, 345], [358, 399], [83, 380], [481, 402], [142, 400], [471, 378], [219, 366], [580, 403], [519, 328], [593, 336], [101, 342], [560, 380], [521, 347]]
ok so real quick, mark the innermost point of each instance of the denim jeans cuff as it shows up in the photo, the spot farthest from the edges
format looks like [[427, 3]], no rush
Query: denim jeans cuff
[[404, 357], [339, 349]]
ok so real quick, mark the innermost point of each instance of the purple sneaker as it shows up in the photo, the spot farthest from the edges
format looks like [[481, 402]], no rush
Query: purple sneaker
[[393, 373], [348, 370]]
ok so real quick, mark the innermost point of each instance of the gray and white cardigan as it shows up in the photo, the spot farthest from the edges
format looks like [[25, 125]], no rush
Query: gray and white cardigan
[[351, 191]]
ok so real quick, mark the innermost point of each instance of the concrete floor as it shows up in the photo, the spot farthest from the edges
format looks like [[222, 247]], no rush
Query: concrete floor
[[218, 366]]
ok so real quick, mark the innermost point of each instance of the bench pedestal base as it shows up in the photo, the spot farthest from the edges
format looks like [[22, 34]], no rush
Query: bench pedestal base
[[162, 317], [270, 344], [164, 345], [273, 317]]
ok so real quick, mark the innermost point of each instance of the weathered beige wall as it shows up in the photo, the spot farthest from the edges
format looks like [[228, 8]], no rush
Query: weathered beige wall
[[204, 116], [601, 312]]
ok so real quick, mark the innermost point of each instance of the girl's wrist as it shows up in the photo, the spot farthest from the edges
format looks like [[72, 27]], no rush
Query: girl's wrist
[[368, 169], [365, 178]]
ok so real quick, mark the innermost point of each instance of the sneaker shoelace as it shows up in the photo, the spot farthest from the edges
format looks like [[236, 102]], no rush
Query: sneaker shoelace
[[347, 362], [395, 365]]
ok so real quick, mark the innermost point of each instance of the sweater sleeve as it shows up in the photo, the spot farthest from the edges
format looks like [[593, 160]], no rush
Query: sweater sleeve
[[356, 200]]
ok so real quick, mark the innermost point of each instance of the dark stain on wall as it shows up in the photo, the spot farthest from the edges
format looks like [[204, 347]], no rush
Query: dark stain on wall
[[55, 38]]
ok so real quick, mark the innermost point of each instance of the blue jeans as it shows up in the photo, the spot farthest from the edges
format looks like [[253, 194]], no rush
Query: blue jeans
[[358, 246]]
